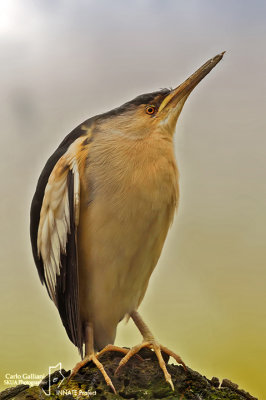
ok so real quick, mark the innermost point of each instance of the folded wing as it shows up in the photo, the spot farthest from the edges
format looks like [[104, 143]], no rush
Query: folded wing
[[54, 235]]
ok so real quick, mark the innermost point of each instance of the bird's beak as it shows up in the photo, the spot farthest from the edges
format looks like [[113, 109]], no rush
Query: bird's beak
[[172, 105]]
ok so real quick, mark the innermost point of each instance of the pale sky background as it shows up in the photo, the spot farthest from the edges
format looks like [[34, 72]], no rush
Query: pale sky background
[[63, 61]]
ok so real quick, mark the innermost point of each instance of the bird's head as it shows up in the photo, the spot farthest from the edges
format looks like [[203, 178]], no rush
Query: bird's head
[[157, 111]]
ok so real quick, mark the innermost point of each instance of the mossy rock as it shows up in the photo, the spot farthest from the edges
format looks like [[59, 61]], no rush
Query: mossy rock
[[138, 379]]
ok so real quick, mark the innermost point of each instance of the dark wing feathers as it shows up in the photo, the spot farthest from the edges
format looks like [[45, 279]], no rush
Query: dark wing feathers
[[67, 281], [48, 240]]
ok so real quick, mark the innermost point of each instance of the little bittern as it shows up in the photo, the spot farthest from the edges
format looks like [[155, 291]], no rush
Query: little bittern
[[100, 215]]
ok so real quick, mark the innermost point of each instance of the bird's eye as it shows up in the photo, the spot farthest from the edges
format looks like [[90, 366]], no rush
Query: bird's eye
[[150, 110]]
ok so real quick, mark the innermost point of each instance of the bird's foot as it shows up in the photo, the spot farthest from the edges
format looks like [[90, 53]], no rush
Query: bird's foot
[[152, 344], [94, 358]]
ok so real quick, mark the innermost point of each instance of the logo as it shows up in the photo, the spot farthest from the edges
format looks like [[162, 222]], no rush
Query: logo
[[55, 375]]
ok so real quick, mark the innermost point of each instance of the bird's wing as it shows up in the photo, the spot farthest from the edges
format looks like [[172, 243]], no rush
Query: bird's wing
[[59, 217], [56, 241]]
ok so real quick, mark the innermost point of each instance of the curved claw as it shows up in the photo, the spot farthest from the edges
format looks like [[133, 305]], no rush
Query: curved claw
[[167, 376]]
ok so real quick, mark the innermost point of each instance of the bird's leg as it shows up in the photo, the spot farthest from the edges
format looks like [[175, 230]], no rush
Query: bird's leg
[[91, 356], [150, 342]]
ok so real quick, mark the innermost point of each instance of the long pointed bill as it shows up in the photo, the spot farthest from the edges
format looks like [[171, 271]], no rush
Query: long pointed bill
[[172, 105]]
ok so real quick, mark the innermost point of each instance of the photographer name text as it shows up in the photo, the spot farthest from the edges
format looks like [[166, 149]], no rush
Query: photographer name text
[[23, 379]]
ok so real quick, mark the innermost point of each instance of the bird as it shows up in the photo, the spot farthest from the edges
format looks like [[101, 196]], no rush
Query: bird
[[100, 215]]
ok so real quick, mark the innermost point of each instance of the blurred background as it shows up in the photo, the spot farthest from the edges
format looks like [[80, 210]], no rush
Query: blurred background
[[62, 61]]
